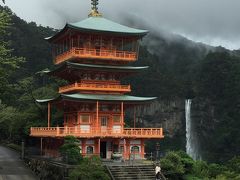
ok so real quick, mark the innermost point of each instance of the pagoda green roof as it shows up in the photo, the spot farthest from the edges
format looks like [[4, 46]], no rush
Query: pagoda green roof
[[98, 97], [105, 25], [102, 25]]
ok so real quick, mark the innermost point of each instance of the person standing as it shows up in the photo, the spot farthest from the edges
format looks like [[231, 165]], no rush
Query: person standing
[[157, 172]]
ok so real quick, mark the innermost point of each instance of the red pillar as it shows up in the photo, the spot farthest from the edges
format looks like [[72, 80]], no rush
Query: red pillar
[[142, 148], [84, 146], [97, 118], [99, 146], [122, 116]]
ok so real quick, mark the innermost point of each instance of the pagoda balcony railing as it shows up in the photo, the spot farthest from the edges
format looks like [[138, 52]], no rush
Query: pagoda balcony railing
[[96, 54], [97, 132], [95, 87]]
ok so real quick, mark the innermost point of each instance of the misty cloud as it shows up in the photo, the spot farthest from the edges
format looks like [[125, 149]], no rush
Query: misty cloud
[[216, 22]]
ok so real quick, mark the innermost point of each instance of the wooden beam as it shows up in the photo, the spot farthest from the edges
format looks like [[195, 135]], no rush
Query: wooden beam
[[49, 114], [97, 107], [124, 149], [122, 116], [99, 142], [41, 146]]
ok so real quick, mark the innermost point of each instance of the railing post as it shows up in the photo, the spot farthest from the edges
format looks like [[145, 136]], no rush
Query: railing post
[[65, 130], [57, 131]]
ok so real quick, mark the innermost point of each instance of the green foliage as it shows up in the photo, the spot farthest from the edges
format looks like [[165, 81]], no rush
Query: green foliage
[[178, 165], [8, 62], [234, 164], [10, 118], [70, 150], [218, 83], [91, 169], [200, 169], [173, 166], [19, 85]]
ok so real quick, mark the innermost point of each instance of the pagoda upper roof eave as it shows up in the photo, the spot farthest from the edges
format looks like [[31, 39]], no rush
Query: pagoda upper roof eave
[[71, 65], [102, 26], [98, 97]]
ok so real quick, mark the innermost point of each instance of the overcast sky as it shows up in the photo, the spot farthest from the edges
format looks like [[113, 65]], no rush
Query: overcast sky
[[215, 22]]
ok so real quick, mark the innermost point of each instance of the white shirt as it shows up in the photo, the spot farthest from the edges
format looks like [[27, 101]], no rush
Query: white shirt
[[157, 169]]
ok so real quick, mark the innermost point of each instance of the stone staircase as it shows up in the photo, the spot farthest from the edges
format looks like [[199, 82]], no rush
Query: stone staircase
[[143, 172]]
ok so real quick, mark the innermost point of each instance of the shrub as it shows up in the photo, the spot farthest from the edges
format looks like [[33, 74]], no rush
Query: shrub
[[172, 165], [90, 169]]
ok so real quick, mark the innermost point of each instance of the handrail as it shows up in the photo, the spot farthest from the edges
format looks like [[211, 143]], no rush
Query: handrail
[[97, 53], [94, 131], [110, 172], [106, 87]]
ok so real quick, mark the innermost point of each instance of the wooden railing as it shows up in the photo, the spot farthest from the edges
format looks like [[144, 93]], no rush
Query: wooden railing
[[95, 53], [97, 132], [95, 87]]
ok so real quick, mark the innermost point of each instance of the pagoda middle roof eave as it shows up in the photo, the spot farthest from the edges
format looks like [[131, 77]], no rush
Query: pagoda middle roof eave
[[71, 65], [97, 97], [100, 25]]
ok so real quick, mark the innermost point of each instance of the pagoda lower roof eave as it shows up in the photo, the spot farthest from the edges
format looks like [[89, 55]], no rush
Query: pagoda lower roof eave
[[72, 65], [97, 97]]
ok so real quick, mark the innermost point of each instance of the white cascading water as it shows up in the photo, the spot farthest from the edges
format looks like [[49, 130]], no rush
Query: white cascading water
[[191, 138]]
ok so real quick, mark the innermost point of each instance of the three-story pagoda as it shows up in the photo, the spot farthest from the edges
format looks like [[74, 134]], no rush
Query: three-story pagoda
[[92, 56]]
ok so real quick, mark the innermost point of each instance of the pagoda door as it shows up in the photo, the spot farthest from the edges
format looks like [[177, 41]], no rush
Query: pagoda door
[[104, 123]]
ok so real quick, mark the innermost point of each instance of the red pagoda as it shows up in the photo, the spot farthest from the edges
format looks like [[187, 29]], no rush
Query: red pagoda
[[92, 56]]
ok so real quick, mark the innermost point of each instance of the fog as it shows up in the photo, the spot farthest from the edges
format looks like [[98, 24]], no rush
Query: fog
[[215, 22]]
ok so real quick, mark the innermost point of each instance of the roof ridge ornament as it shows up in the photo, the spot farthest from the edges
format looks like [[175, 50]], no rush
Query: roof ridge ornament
[[94, 12]]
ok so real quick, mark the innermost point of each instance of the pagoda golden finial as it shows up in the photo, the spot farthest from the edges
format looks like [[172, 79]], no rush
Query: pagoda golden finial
[[94, 12]]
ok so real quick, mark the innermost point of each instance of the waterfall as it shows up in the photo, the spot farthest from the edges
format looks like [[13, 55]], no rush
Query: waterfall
[[191, 136]]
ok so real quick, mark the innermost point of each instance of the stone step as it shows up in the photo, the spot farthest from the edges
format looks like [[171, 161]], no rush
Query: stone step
[[143, 172]]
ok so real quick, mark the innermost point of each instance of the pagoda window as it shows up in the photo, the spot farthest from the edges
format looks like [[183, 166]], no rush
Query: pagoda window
[[104, 121], [127, 45], [106, 43], [116, 119], [89, 149], [85, 118], [96, 41], [74, 41], [85, 108], [65, 45], [86, 77], [135, 149], [116, 108], [97, 77], [102, 77], [82, 41], [111, 77], [117, 44], [103, 108], [71, 118]]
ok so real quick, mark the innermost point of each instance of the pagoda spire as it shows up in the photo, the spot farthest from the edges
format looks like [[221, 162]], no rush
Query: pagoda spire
[[94, 12]]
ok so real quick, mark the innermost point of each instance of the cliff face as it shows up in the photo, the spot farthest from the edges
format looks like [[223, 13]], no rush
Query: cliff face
[[169, 114], [204, 120]]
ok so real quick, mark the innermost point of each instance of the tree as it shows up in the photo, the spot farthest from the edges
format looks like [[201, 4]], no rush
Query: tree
[[70, 150], [8, 63]]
